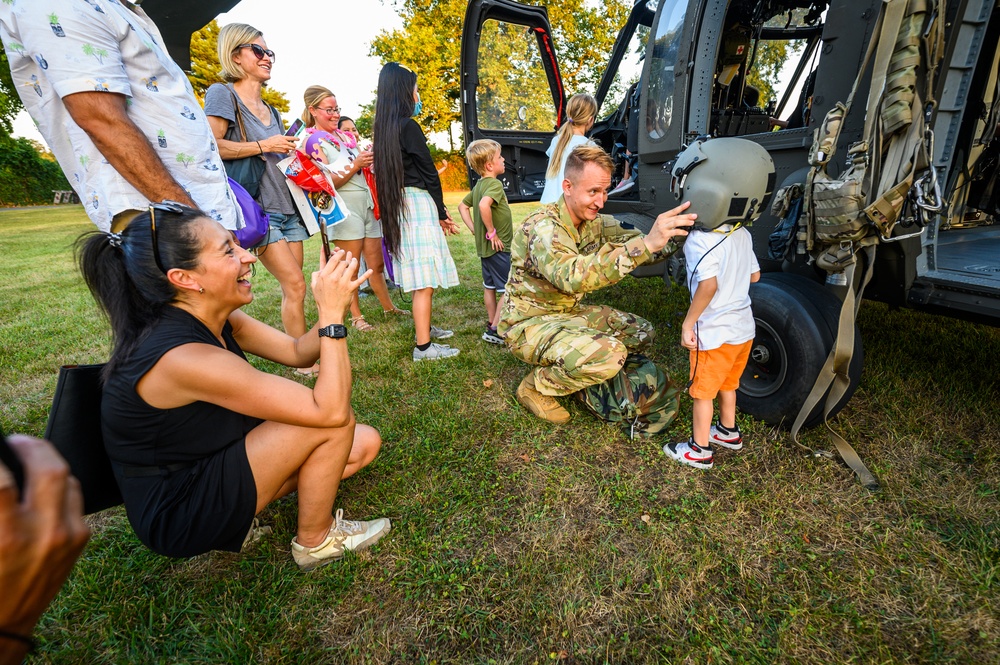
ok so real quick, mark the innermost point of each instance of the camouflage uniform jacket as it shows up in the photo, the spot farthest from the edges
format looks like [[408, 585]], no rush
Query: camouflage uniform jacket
[[553, 264]]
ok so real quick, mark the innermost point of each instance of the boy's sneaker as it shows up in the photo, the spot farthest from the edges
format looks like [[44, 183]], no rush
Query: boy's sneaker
[[344, 536], [492, 337], [727, 438], [434, 352], [690, 453], [440, 333]]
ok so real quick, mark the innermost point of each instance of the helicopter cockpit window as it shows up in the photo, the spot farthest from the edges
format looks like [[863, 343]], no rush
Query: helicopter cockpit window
[[664, 53], [513, 92], [765, 68]]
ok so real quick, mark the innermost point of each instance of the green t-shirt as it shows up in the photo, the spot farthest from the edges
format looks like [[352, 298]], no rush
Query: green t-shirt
[[492, 188]]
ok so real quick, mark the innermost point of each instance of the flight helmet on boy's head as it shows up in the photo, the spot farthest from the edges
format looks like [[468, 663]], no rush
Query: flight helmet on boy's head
[[727, 180]]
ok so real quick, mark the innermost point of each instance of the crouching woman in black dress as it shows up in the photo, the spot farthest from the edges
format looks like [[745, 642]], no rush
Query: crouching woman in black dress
[[200, 441]]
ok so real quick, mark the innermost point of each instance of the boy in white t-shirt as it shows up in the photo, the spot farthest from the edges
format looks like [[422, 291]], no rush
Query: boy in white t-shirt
[[719, 330]]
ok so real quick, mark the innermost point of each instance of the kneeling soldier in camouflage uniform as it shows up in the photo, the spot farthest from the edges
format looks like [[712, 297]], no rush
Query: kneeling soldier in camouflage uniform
[[559, 253]]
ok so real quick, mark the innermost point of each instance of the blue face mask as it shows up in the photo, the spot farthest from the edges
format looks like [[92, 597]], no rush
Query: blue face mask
[[418, 107]]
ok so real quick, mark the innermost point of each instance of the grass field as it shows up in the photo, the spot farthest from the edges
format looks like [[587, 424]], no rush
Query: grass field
[[516, 541]]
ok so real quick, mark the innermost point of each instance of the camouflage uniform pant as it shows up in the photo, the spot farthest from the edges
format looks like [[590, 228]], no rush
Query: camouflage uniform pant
[[573, 351]]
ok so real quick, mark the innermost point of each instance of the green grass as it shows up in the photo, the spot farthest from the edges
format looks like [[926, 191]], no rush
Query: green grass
[[515, 541]]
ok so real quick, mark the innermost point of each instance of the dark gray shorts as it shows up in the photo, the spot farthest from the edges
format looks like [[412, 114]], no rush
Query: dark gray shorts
[[496, 268]]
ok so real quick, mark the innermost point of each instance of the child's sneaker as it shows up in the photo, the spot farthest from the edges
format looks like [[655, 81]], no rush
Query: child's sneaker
[[491, 336], [727, 438], [690, 453], [344, 536]]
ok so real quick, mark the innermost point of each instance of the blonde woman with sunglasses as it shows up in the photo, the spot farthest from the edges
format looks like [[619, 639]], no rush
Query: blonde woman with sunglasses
[[246, 65]]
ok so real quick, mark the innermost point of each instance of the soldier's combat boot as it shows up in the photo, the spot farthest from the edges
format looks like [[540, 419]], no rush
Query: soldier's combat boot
[[545, 407]]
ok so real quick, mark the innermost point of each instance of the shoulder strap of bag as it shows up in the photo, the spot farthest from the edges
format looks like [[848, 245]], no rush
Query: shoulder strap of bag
[[238, 114]]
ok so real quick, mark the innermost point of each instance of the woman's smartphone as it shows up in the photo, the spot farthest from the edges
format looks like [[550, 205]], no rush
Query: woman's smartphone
[[10, 460], [294, 128]]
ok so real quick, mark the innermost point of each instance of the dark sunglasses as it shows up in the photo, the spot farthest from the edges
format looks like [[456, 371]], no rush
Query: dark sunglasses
[[166, 206], [258, 51]]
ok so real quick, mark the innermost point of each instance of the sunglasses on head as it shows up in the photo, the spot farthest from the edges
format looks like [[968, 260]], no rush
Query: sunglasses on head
[[166, 206], [258, 51]]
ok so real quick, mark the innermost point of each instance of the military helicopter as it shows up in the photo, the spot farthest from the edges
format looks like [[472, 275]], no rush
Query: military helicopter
[[679, 69]]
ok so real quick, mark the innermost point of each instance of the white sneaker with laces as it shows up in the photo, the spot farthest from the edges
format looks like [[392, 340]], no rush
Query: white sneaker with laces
[[733, 440], [434, 352], [344, 536], [690, 453]]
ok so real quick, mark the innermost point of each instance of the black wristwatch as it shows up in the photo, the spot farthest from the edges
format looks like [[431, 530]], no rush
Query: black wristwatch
[[334, 330]]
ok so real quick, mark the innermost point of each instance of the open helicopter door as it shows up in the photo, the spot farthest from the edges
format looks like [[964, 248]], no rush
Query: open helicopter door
[[511, 89]]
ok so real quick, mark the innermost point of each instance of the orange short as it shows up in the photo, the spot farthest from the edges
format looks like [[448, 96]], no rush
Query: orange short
[[718, 369]]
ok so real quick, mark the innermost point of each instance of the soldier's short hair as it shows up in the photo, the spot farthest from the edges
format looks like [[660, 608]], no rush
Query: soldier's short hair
[[479, 153], [587, 154]]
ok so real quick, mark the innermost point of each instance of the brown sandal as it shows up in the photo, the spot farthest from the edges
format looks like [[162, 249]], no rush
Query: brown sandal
[[359, 323], [395, 311]]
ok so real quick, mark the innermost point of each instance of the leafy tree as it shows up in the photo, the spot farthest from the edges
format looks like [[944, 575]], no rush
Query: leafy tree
[[10, 102], [428, 44], [25, 177], [205, 68], [771, 56]]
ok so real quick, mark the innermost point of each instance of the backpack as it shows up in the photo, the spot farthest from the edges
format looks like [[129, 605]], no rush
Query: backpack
[[641, 398]]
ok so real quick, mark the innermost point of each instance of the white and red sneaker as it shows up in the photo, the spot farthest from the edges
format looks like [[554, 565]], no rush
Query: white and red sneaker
[[690, 453], [730, 439]]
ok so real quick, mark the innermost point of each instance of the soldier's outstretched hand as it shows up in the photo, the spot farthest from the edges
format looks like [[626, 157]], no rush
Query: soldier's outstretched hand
[[668, 225]]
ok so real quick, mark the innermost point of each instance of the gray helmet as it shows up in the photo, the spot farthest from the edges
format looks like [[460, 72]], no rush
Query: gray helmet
[[727, 180]]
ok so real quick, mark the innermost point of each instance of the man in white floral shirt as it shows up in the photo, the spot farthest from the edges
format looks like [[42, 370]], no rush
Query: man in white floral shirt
[[117, 112]]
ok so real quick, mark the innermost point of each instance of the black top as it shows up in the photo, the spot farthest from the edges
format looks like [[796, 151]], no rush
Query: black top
[[184, 473], [136, 433], [418, 167]]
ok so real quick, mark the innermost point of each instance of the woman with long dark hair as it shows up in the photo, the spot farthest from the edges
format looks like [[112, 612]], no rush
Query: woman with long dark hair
[[200, 441], [414, 218], [246, 64]]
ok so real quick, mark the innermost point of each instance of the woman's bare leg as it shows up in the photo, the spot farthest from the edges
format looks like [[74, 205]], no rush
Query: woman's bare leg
[[284, 260], [373, 257], [311, 460], [422, 314]]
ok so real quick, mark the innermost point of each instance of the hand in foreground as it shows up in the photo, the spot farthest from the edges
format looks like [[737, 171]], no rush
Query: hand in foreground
[[496, 242], [364, 159], [448, 225], [40, 538], [279, 144], [688, 339], [333, 285], [669, 225]]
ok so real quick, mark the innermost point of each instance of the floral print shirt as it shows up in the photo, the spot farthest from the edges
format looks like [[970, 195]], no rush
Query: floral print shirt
[[61, 47]]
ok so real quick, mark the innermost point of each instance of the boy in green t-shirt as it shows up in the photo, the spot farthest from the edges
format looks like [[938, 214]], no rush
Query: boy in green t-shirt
[[485, 211]]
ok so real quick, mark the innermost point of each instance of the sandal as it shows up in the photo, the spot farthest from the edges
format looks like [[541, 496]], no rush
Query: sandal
[[395, 311], [308, 371], [359, 323]]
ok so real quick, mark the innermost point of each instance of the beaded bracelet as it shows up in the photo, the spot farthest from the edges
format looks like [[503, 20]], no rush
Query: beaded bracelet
[[17, 637]]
